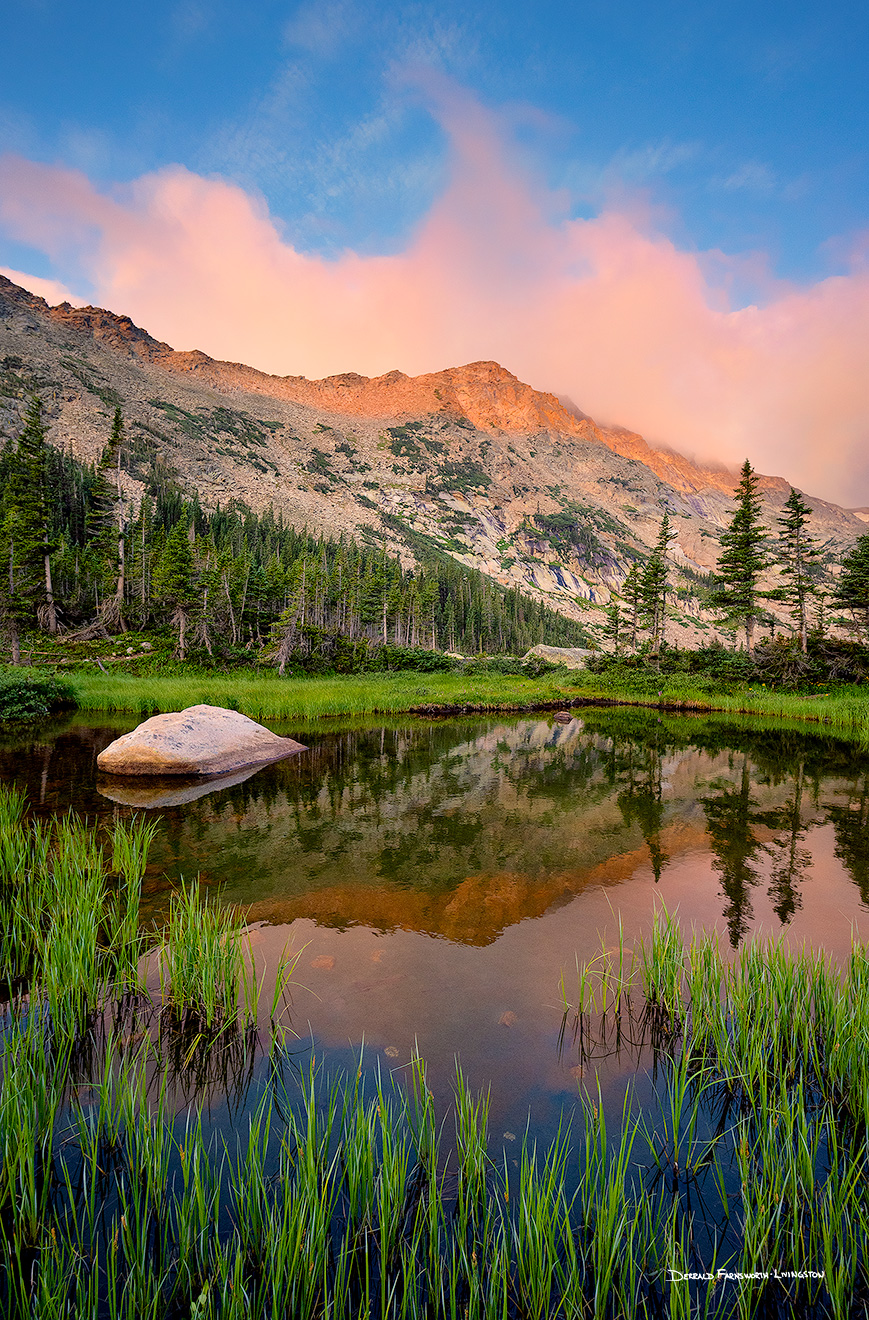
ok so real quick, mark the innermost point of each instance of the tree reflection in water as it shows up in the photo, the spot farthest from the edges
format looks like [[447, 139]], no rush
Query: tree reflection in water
[[730, 817], [462, 828]]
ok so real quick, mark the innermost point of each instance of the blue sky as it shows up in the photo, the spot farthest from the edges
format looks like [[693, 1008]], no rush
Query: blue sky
[[746, 123]]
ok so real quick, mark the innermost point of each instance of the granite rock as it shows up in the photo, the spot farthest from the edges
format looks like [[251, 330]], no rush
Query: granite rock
[[202, 740]]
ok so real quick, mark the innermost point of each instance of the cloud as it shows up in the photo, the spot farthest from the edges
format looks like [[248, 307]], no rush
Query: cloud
[[607, 310], [51, 290], [752, 176], [655, 158]]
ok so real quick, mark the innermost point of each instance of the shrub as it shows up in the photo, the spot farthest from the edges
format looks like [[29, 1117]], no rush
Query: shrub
[[28, 696], [413, 658]]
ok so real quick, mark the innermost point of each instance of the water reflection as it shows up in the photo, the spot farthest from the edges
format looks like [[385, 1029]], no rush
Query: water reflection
[[155, 791], [463, 828]]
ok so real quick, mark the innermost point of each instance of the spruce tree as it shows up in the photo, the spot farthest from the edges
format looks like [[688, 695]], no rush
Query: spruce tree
[[852, 588], [798, 557], [104, 530], [176, 584], [632, 594], [743, 558], [614, 630], [27, 590], [653, 588]]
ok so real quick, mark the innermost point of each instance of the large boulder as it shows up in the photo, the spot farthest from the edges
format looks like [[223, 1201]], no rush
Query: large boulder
[[202, 740], [572, 657]]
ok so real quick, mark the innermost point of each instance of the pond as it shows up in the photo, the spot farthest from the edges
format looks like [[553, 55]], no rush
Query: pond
[[441, 880], [571, 1145]]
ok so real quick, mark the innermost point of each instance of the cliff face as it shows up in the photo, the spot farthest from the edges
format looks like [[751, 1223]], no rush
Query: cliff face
[[506, 478]]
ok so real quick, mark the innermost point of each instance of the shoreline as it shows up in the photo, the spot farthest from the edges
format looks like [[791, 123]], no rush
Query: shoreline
[[843, 711]]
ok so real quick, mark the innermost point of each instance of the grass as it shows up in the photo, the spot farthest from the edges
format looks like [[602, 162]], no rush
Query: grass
[[269, 697], [844, 711], [69, 924], [347, 1195], [202, 964]]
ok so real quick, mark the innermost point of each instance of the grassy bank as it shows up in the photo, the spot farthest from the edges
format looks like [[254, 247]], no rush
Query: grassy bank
[[268, 697], [844, 710]]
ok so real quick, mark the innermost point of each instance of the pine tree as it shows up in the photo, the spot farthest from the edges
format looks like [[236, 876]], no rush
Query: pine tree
[[632, 594], [104, 530], [743, 558], [27, 591], [614, 629], [852, 588], [176, 585], [653, 590], [798, 557]]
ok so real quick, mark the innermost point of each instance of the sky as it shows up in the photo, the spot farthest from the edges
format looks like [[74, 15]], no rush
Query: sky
[[660, 210]]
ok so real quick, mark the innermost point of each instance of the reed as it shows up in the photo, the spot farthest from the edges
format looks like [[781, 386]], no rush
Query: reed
[[203, 970]]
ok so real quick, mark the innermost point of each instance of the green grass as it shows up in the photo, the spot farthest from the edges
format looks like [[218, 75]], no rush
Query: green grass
[[202, 964], [844, 711], [343, 1196], [347, 1196], [269, 697]]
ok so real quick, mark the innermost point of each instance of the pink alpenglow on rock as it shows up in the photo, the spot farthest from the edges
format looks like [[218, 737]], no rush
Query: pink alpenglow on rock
[[202, 740]]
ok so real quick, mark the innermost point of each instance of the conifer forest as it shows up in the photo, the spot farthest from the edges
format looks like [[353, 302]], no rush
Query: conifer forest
[[78, 558]]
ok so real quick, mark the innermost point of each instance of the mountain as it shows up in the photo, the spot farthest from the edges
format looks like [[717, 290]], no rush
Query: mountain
[[515, 482]]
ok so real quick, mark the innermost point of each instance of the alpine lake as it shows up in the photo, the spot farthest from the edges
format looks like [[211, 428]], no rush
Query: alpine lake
[[469, 892]]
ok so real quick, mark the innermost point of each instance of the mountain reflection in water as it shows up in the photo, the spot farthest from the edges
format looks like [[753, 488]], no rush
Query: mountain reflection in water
[[463, 828]]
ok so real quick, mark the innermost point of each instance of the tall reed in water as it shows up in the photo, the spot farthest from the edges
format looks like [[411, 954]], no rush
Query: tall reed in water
[[202, 964], [63, 928]]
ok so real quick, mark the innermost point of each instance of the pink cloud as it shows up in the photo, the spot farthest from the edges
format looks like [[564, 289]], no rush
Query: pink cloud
[[51, 290], [607, 310]]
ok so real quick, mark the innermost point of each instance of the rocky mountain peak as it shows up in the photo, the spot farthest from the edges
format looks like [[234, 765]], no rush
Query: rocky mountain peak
[[506, 478]]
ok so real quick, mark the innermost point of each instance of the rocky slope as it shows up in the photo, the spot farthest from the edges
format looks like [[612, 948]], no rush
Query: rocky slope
[[507, 479]]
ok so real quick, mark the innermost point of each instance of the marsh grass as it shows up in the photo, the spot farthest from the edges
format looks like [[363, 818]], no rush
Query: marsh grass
[[203, 968], [844, 711], [68, 924], [268, 697], [758, 1139]]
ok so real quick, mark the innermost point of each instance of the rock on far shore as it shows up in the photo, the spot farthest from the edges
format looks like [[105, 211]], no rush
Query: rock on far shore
[[572, 657], [202, 740]]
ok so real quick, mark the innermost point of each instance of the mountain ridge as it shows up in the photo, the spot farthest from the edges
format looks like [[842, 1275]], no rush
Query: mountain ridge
[[506, 478], [500, 400]]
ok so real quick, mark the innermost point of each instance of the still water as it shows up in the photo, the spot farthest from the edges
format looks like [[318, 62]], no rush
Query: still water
[[441, 879]]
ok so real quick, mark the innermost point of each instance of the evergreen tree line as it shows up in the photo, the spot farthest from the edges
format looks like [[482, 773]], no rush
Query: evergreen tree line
[[748, 551], [77, 558]]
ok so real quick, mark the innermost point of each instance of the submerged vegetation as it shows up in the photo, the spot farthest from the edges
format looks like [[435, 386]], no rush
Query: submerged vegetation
[[742, 1152]]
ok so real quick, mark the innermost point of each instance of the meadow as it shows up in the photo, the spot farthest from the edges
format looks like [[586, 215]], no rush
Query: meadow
[[323, 1195], [844, 708]]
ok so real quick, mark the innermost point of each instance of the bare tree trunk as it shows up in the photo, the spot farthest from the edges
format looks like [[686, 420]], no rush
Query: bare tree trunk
[[228, 595], [50, 611], [243, 603], [287, 643], [122, 584]]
